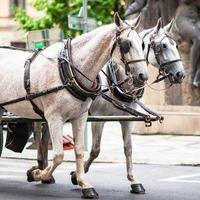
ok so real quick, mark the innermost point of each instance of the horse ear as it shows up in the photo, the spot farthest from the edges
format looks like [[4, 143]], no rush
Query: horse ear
[[158, 25], [137, 21], [117, 20], [168, 27]]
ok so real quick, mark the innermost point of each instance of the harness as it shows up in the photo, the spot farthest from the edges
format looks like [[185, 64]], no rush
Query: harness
[[27, 82], [120, 95], [70, 82], [67, 74], [117, 90], [68, 71]]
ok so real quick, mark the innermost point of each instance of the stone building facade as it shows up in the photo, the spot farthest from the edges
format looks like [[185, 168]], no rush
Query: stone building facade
[[9, 30]]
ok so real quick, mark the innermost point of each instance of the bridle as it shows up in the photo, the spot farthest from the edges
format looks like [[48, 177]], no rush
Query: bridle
[[157, 49], [118, 42]]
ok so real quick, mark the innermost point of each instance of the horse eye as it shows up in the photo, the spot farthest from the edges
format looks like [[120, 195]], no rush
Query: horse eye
[[177, 46], [143, 45], [125, 46], [164, 46]]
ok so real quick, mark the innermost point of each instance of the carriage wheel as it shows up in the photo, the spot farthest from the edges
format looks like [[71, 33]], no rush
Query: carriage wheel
[[1, 139]]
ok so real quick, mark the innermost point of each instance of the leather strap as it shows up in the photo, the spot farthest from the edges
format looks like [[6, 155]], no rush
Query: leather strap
[[116, 89], [27, 82], [68, 72]]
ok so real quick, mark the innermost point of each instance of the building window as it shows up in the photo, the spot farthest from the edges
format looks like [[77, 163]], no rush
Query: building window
[[16, 3]]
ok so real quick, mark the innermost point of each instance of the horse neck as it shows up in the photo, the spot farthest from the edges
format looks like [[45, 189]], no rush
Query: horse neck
[[91, 51]]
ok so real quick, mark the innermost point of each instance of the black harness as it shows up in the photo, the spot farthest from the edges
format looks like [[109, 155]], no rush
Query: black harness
[[67, 74], [27, 82], [70, 82], [117, 89], [120, 95]]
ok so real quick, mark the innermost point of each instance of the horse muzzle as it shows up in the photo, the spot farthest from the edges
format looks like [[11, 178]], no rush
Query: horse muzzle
[[177, 77]]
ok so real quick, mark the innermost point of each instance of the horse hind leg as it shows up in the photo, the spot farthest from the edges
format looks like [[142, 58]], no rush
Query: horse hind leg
[[56, 129], [136, 187], [37, 138], [41, 136], [97, 130]]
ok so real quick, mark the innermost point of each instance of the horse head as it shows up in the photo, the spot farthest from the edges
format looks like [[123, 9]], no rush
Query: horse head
[[127, 51], [161, 51]]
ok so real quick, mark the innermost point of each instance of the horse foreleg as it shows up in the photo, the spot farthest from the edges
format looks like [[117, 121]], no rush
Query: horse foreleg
[[37, 138], [56, 131], [44, 148], [78, 126], [97, 130], [41, 136], [126, 133]]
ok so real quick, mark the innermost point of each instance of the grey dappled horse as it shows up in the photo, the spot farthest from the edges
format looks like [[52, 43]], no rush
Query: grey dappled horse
[[168, 62], [87, 54]]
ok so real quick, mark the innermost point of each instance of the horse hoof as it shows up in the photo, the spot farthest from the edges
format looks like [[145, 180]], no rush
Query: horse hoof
[[50, 181], [73, 178], [29, 174], [89, 193], [137, 188]]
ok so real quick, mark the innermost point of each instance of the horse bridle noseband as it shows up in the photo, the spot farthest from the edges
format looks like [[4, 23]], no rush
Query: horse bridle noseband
[[158, 51], [118, 42]]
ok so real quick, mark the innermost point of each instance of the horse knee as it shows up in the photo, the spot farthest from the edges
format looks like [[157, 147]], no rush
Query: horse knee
[[58, 158]]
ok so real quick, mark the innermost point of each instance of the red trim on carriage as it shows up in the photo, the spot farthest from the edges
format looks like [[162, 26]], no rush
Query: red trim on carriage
[[68, 143]]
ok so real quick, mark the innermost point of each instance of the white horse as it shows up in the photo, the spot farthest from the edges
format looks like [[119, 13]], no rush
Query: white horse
[[161, 51], [89, 52]]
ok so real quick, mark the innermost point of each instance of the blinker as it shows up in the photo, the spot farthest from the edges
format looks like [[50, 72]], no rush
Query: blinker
[[125, 45]]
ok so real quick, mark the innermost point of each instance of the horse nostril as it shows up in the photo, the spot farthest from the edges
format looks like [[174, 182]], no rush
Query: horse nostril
[[143, 77], [180, 75]]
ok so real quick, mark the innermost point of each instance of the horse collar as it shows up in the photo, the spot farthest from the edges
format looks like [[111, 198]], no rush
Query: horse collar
[[68, 75], [117, 90]]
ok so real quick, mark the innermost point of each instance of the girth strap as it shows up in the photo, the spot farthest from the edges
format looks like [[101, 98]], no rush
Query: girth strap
[[27, 82]]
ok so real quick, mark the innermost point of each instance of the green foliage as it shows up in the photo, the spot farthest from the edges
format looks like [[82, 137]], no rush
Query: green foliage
[[56, 12], [101, 10]]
